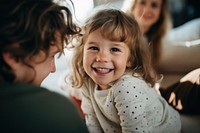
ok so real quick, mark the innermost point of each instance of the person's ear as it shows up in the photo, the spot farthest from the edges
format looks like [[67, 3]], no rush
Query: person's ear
[[9, 59]]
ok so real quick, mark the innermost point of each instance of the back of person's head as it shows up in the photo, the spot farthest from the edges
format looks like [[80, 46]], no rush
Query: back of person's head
[[116, 25], [30, 26]]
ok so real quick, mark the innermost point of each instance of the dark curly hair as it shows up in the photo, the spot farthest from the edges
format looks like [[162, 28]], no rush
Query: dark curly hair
[[32, 24]]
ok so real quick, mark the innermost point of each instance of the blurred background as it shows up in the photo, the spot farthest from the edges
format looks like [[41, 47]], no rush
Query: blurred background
[[181, 10]]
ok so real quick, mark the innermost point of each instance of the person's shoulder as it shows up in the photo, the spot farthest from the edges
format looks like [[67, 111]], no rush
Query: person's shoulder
[[39, 107], [130, 78], [130, 85], [129, 81], [32, 94]]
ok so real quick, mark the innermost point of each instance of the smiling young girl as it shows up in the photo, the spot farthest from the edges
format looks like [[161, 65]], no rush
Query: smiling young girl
[[113, 68]]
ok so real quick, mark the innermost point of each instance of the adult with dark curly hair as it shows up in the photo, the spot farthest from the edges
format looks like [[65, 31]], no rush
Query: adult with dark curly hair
[[32, 32]]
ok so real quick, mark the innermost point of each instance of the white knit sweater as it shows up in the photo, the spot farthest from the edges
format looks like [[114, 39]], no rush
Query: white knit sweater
[[130, 105]]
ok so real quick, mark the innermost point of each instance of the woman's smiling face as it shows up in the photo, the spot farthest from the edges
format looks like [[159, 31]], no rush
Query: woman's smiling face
[[103, 60], [147, 12]]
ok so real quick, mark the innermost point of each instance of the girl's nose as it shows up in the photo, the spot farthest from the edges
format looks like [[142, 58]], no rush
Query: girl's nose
[[103, 57]]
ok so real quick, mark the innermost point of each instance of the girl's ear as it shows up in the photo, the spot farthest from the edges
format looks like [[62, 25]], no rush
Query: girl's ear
[[9, 59]]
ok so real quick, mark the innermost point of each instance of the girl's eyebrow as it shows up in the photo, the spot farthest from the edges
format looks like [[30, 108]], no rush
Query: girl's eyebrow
[[91, 42], [113, 42], [119, 43]]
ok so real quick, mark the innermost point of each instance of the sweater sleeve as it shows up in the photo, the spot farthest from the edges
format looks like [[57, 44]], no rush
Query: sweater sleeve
[[90, 115], [130, 102]]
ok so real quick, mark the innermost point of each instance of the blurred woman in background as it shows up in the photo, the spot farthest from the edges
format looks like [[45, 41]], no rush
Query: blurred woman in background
[[154, 20]]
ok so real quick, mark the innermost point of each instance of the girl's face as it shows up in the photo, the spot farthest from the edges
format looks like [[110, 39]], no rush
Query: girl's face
[[103, 60], [147, 13]]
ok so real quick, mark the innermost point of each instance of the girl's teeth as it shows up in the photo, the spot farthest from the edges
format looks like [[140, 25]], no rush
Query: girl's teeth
[[104, 70]]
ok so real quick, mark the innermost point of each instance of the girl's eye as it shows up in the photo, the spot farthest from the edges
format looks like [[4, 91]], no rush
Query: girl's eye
[[93, 48], [115, 50]]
